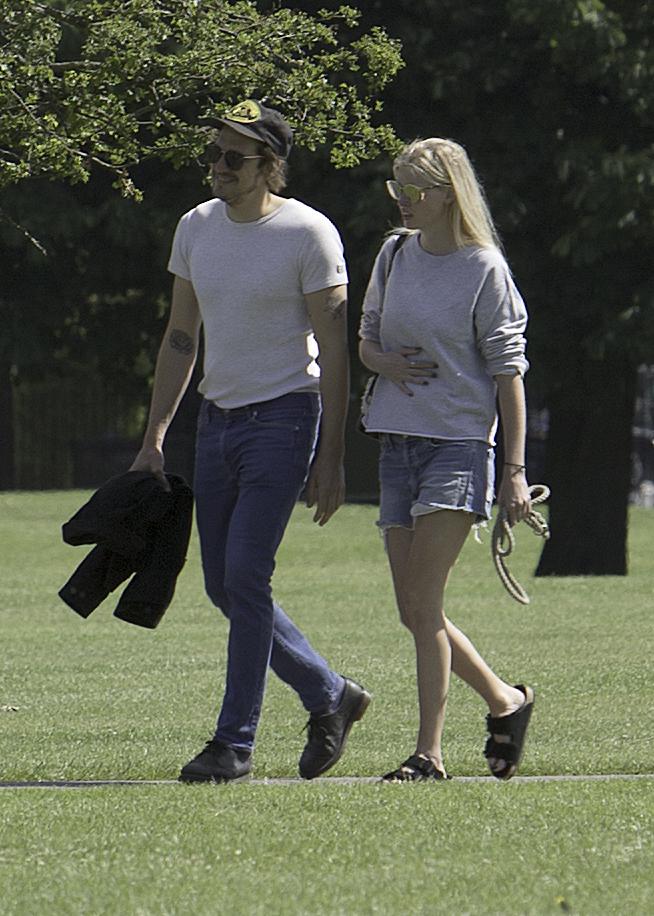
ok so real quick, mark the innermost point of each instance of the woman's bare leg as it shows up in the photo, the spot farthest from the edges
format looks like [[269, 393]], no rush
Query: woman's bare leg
[[420, 563], [467, 663]]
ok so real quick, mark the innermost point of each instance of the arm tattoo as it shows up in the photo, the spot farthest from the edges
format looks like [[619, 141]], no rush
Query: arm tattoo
[[180, 341], [335, 305]]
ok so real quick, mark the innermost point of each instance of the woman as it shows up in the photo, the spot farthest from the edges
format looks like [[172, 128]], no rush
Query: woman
[[442, 327]]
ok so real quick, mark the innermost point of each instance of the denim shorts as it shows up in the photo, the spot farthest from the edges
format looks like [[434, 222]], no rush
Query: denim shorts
[[418, 475]]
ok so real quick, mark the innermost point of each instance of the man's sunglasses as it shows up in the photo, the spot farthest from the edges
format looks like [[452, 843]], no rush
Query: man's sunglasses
[[412, 192], [233, 159]]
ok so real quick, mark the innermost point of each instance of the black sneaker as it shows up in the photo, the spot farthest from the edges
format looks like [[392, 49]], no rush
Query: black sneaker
[[217, 763], [328, 733]]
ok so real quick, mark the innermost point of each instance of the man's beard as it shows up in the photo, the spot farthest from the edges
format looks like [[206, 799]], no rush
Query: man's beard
[[231, 192]]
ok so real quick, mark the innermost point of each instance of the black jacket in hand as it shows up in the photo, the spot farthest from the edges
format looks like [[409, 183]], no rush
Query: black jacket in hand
[[140, 529]]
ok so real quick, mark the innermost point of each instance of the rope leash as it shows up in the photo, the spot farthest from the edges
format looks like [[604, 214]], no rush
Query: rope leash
[[503, 541]]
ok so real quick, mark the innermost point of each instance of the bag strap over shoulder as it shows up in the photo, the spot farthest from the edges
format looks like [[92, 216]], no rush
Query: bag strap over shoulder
[[397, 244]]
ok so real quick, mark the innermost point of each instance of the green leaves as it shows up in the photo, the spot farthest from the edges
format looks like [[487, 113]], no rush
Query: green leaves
[[100, 84]]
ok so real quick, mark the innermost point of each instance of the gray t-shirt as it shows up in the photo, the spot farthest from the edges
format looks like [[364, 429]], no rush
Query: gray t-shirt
[[250, 280], [465, 312]]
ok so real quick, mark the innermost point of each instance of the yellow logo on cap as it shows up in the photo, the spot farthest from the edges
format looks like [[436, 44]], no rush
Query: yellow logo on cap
[[245, 112]]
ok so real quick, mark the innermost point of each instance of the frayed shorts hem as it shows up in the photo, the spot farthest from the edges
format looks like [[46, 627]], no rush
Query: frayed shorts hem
[[420, 509]]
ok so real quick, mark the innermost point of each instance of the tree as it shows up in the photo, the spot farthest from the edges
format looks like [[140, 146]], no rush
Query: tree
[[594, 273], [109, 85]]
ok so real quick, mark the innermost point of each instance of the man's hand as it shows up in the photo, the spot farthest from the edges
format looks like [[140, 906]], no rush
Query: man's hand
[[326, 483], [325, 488], [151, 460]]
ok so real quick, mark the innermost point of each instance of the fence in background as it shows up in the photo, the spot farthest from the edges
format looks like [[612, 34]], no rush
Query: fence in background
[[73, 433], [69, 431]]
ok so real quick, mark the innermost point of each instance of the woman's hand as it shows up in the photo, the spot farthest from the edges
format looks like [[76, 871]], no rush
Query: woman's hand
[[403, 368], [513, 495]]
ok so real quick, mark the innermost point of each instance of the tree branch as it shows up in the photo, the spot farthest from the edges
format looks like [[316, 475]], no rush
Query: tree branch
[[4, 216], [76, 65]]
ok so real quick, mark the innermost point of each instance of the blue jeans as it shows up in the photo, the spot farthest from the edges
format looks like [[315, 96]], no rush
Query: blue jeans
[[251, 464]]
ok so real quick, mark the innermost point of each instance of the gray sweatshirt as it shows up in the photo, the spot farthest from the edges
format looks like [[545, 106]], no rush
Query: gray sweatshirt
[[465, 313]]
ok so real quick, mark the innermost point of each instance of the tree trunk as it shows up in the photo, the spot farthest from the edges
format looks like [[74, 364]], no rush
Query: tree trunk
[[7, 462], [588, 467]]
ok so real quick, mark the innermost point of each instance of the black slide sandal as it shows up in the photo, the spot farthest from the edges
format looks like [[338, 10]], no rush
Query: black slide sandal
[[415, 769], [514, 727]]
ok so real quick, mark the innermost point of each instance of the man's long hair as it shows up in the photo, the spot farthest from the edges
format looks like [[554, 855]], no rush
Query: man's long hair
[[275, 169]]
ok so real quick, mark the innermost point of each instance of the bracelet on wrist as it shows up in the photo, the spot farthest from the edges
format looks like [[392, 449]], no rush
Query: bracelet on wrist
[[517, 467]]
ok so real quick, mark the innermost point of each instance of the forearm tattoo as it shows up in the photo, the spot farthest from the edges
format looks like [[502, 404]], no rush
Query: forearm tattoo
[[335, 305], [180, 341]]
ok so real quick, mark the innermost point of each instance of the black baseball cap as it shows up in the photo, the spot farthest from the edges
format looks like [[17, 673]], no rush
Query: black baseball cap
[[252, 119]]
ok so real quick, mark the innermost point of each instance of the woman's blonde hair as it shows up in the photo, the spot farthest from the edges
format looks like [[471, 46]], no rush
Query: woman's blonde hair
[[446, 163]]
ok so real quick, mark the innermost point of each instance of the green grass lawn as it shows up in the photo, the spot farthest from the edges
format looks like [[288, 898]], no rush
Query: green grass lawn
[[100, 699]]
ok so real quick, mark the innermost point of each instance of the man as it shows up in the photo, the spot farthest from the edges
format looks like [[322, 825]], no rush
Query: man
[[261, 273]]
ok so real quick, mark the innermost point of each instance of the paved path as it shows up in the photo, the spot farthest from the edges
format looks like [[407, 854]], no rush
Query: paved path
[[324, 780]]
